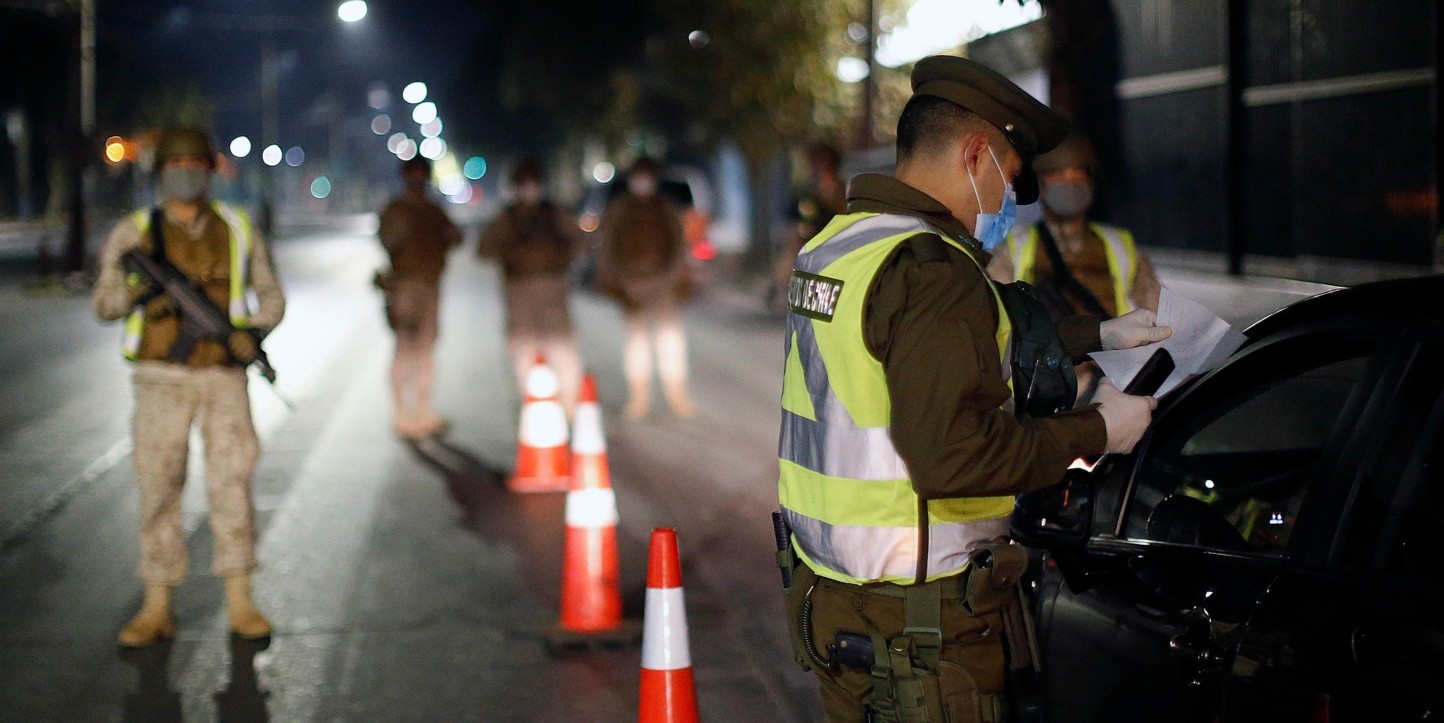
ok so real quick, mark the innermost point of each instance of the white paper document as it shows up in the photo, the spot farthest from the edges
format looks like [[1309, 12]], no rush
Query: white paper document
[[1200, 343]]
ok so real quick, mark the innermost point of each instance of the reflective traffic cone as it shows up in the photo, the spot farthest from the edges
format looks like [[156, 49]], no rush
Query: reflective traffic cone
[[591, 596], [541, 455], [669, 694]]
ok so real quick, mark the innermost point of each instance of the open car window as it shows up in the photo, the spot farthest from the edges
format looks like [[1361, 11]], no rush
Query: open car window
[[1230, 468]]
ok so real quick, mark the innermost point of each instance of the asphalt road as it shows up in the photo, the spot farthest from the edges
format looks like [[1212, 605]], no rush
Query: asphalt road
[[403, 581]]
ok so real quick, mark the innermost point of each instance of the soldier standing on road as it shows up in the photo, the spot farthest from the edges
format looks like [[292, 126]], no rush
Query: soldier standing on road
[[1106, 274], [825, 198], [215, 245], [642, 263], [900, 451], [536, 242], [417, 235]]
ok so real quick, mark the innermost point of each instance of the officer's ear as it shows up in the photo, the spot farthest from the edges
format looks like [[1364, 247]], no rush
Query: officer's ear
[[972, 151]]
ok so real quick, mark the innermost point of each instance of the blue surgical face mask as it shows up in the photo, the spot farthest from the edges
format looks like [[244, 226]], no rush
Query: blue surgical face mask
[[991, 229]]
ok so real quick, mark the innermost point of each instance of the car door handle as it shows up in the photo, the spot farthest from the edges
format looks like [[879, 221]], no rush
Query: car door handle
[[1198, 653]]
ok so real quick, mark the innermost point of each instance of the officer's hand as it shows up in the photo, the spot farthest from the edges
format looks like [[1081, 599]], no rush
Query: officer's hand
[[1136, 328], [1125, 416], [244, 345]]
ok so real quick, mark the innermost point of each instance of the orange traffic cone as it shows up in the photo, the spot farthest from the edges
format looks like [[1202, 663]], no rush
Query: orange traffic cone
[[541, 455], [669, 694], [591, 596]]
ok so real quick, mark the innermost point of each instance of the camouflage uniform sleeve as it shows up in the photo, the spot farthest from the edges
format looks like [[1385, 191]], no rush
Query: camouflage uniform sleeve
[[931, 321], [111, 297], [267, 287]]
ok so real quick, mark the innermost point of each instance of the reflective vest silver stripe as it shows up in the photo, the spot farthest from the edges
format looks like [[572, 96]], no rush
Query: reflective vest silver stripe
[[864, 552], [833, 444]]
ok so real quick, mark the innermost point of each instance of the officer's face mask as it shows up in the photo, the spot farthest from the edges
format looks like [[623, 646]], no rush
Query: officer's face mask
[[529, 194], [186, 184], [642, 185], [991, 229], [1069, 199]]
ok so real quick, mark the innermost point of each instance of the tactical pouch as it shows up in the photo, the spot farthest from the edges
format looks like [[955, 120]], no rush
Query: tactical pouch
[[993, 573]]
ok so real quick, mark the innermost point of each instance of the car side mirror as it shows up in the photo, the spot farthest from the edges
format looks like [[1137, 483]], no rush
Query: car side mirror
[[1060, 516]]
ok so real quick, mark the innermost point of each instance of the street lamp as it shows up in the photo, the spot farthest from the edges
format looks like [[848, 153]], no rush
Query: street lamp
[[351, 10]]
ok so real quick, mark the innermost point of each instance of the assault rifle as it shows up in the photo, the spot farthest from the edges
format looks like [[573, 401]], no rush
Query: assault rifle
[[200, 318]]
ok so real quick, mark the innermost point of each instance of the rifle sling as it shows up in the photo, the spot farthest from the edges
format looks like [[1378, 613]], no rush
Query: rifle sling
[[1063, 276]]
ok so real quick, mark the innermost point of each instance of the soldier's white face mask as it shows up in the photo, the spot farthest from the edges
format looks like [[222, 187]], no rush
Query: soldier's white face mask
[[184, 183]]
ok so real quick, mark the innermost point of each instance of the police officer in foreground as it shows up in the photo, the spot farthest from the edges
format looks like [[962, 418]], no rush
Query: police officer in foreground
[[900, 450], [1086, 266], [178, 386]]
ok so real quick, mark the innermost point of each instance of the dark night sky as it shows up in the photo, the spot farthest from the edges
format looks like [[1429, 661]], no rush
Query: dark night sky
[[216, 47]]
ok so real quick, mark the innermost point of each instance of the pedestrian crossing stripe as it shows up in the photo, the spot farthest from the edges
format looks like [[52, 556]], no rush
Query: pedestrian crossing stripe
[[813, 296]]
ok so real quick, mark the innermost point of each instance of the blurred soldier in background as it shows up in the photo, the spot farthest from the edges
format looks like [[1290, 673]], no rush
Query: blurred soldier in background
[[1080, 266], [824, 198], [178, 386], [642, 263], [417, 235], [535, 243]]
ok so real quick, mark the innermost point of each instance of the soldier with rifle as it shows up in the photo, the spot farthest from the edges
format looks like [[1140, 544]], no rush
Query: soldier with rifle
[[195, 286]]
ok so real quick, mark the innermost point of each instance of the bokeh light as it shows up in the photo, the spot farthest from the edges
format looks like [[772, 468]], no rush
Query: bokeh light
[[114, 149], [474, 168], [604, 172], [272, 155], [295, 156], [424, 113], [431, 129], [406, 150], [395, 141], [414, 92], [381, 124], [432, 148], [241, 147], [351, 10], [321, 187]]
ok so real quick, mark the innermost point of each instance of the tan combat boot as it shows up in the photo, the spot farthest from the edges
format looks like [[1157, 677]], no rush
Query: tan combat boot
[[245, 620], [679, 400], [639, 399], [153, 623]]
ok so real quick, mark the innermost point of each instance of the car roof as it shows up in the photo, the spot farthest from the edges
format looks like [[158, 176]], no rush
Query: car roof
[[1418, 298]]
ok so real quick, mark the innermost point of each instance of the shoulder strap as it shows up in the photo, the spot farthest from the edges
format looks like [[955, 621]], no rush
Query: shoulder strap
[[157, 233], [1064, 278]]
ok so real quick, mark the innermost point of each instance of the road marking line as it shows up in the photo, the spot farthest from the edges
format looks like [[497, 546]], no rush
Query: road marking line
[[65, 493]]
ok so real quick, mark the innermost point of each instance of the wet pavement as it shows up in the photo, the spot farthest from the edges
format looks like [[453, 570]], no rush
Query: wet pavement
[[403, 581]]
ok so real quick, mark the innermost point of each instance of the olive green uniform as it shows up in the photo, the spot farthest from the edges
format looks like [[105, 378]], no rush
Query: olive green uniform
[[931, 321], [535, 245], [206, 389]]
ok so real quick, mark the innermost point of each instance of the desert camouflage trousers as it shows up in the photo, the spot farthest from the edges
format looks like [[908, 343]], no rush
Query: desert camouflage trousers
[[169, 400]]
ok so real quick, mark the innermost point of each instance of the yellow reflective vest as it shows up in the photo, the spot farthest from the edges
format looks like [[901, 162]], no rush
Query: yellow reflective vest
[[1024, 245], [241, 236], [843, 488]]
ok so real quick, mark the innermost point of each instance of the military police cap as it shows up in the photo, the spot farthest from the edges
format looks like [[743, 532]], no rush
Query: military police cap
[[1030, 126], [183, 142]]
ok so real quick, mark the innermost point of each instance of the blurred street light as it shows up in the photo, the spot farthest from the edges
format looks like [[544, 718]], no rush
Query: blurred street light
[[604, 172], [321, 187], [406, 149], [272, 155], [394, 142], [433, 148], [241, 147], [351, 10], [698, 39], [414, 92], [114, 149], [474, 168], [424, 113], [431, 129], [381, 124], [295, 156]]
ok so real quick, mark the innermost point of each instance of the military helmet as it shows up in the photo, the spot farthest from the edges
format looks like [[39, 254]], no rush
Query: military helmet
[[184, 141], [1074, 152]]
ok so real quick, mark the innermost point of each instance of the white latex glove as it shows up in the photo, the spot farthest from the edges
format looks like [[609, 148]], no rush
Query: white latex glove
[[1125, 416], [1136, 328]]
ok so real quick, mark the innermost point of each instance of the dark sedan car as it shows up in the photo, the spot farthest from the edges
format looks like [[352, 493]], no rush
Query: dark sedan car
[[1272, 549]]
